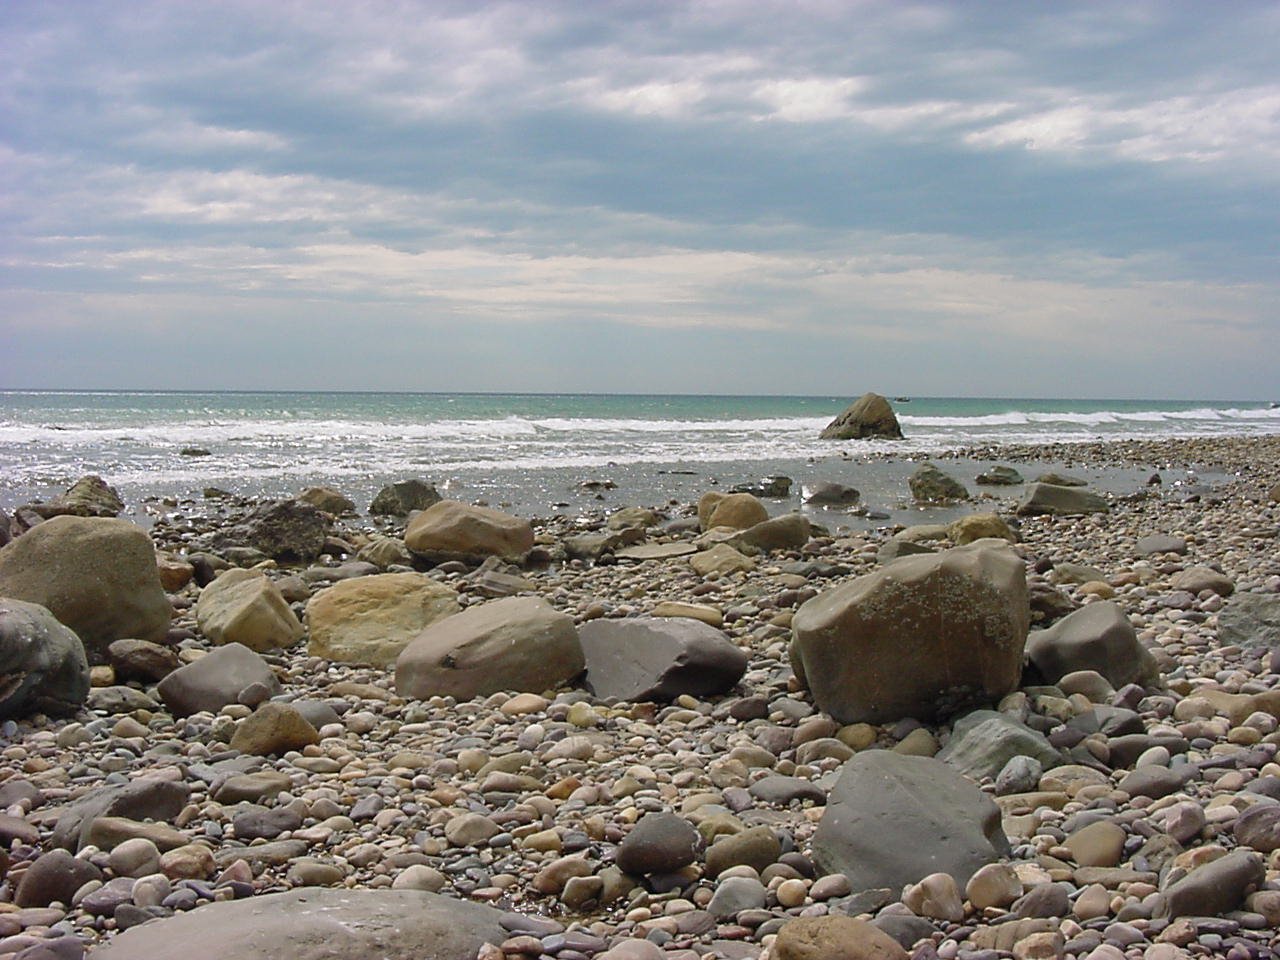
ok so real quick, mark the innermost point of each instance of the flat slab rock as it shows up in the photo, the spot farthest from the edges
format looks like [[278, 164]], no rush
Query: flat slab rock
[[317, 924]]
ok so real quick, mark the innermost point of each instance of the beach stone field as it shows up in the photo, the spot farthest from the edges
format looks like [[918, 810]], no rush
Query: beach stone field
[[422, 729]]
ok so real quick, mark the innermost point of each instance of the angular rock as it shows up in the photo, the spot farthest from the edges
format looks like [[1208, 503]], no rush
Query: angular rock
[[402, 498], [980, 526], [141, 799], [313, 923], [43, 668], [1096, 637], [96, 575], [382, 552], [658, 659], [893, 820], [930, 485], [245, 607], [999, 476], [922, 637], [290, 530], [868, 417], [1055, 500], [983, 741], [450, 529], [520, 644], [274, 728], [142, 660], [90, 496], [372, 619], [658, 843], [1248, 619], [215, 680]]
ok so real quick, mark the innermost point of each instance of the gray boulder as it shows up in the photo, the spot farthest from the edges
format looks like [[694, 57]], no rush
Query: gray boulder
[[215, 680], [999, 477], [95, 574], [930, 485], [1215, 888], [291, 530], [658, 843], [984, 741], [42, 663], [1055, 500], [317, 924], [923, 637], [870, 416], [1250, 620], [520, 643], [826, 493], [892, 820], [787, 532], [1096, 637], [402, 498], [658, 659]]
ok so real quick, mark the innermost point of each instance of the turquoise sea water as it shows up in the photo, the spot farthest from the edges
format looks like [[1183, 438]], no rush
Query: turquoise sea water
[[514, 448]]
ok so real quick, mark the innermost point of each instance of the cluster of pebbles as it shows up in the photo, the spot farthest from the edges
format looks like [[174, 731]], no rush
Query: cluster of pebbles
[[530, 801]]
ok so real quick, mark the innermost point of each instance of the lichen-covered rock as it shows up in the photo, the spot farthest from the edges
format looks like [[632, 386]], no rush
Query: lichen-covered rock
[[90, 496], [922, 637], [372, 619]]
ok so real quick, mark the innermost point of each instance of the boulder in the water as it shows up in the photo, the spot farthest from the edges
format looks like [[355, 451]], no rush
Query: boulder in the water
[[868, 417]]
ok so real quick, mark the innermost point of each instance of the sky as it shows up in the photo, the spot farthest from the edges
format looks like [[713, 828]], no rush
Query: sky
[[731, 196]]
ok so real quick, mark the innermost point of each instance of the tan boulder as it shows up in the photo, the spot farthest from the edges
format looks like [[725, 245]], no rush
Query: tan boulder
[[96, 575], [738, 511], [980, 526], [372, 619], [273, 728], [384, 551], [870, 416], [175, 573], [520, 643], [453, 529], [328, 499], [720, 559], [243, 606], [834, 938], [921, 637]]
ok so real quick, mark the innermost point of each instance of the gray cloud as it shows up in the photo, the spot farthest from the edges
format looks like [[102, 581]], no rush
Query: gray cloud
[[940, 195]]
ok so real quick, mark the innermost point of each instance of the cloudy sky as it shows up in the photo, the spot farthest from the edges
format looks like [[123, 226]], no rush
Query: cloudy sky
[[732, 196]]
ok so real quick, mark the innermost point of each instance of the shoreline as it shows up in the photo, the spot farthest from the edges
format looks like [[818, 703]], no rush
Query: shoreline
[[379, 798]]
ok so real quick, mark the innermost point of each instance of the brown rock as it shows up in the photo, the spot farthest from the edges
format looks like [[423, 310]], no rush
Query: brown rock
[[273, 728], [870, 416], [834, 938], [453, 529], [372, 619]]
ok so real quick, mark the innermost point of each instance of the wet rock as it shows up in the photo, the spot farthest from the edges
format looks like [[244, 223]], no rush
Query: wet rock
[[870, 416], [1045, 498], [289, 530], [90, 496], [737, 511], [827, 493], [930, 485]]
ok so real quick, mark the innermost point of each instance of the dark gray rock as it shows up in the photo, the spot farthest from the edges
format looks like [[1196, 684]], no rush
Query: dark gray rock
[[55, 875], [261, 823], [1154, 782], [317, 924], [983, 741], [658, 843], [215, 680], [870, 416], [140, 799], [1043, 900], [893, 548], [788, 532], [930, 485], [90, 496], [999, 477], [289, 530], [780, 790], [43, 668], [1096, 637], [1250, 620], [829, 494], [402, 498], [658, 658], [1054, 500], [1215, 888], [776, 487], [893, 820]]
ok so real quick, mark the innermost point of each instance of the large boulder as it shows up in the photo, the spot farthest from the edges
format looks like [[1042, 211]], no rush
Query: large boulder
[[244, 606], [868, 417], [658, 659], [328, 500], [450, 529], [520, 643], [788, 532], [737, 511], [923, 637], [291, 530], [402, 498], [1097, 637], [42, 663], [95, 574], [930, 485], [1249, 620], [215, 680], [317, 924], [893, 820], [826, 493], [1055, 500], [90, 496], [372, 619]]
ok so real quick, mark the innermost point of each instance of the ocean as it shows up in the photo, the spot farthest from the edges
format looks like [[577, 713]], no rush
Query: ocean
[[528, 452]]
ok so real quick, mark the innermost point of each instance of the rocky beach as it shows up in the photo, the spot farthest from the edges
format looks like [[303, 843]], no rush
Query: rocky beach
[[718, 728]]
